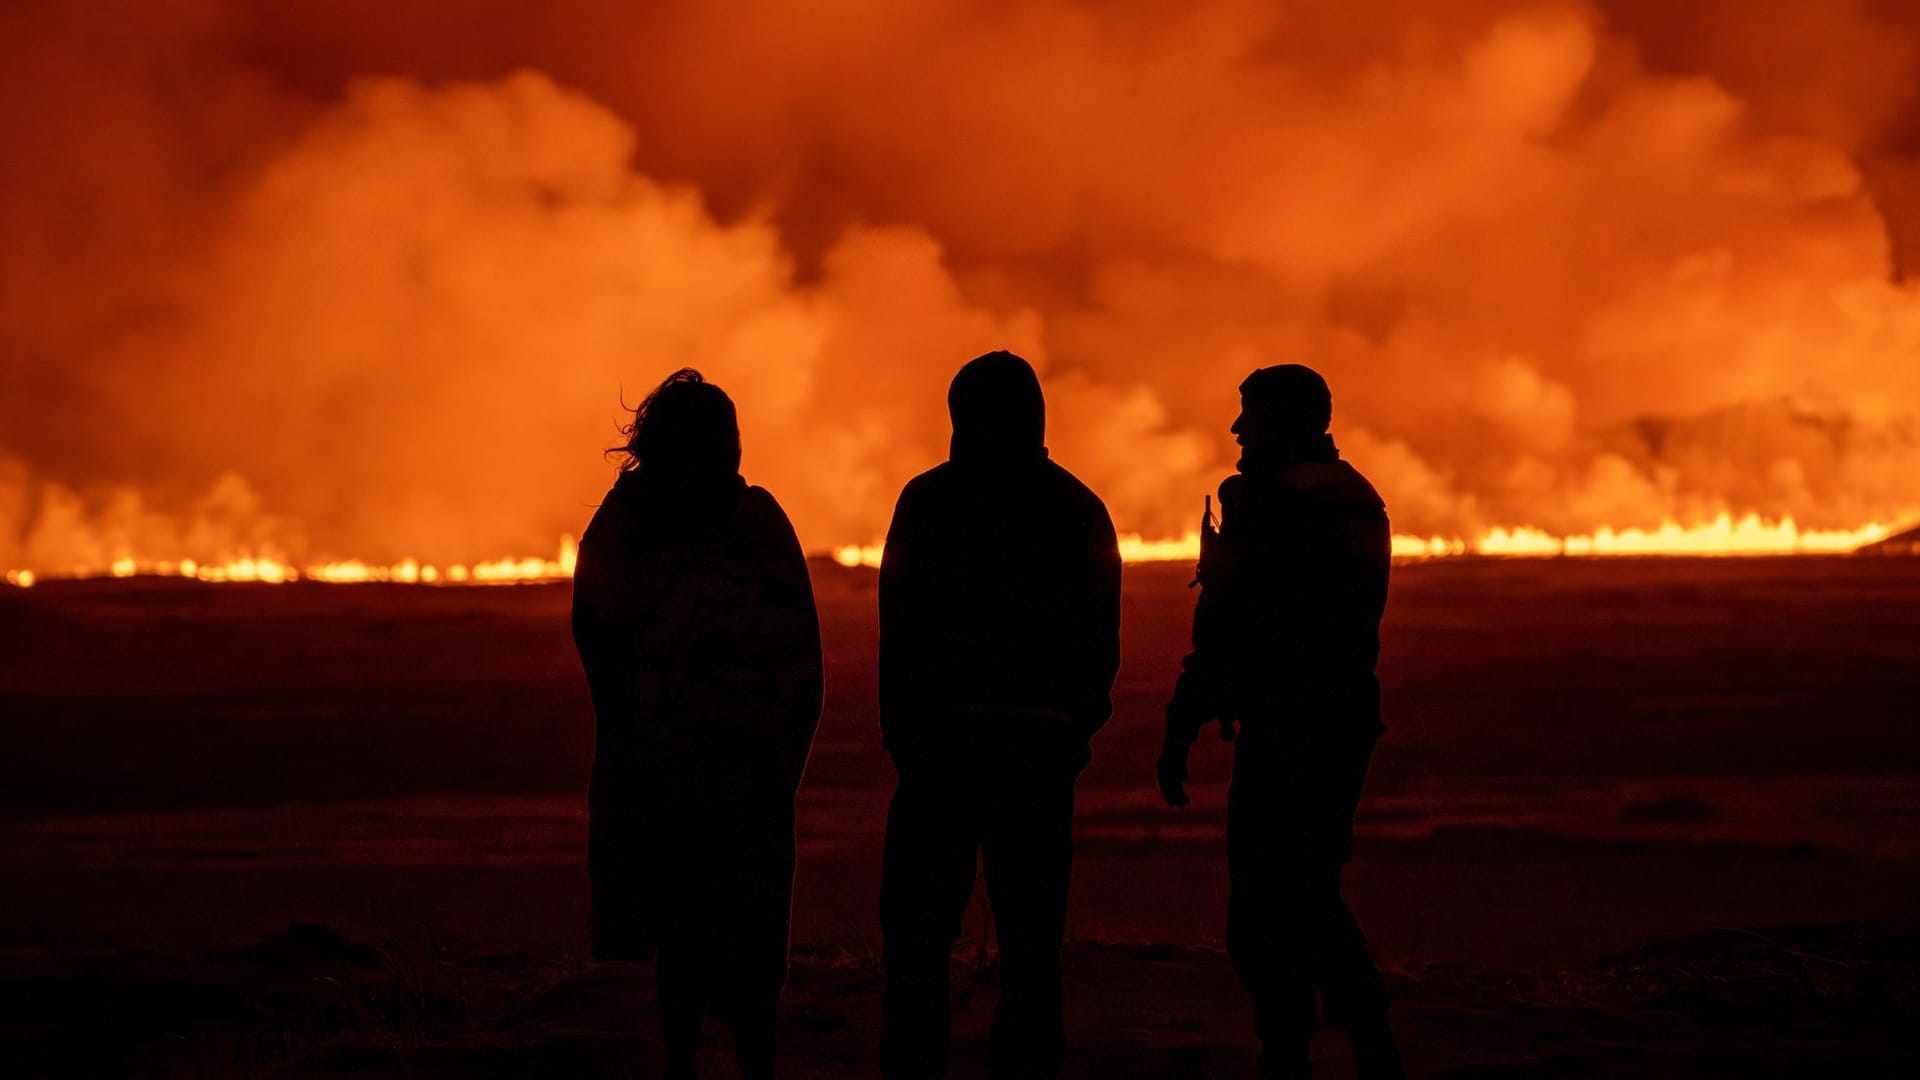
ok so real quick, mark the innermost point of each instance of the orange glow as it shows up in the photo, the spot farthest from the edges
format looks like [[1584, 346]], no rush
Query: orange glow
[[1133, 548], [858, 555], [362, 303], [1723, 536], [272, 569]]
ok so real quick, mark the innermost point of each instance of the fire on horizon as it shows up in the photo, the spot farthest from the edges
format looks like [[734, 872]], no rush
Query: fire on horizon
[[342, 293], [1747, 537]]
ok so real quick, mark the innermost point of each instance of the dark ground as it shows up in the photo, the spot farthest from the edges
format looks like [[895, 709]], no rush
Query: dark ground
[[1706, 770]]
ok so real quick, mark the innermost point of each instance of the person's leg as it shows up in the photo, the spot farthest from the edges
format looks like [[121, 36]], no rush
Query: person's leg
[[1353, 996], [1263, 930], [752, 913], [925, 882], [1341, 965], [752, 1029], [1265, 923], [1028, 858], [677, 982]]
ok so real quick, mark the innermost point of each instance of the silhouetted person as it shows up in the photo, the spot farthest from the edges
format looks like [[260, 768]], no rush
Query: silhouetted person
[[1285, 636], [695, 621], [999, 641]]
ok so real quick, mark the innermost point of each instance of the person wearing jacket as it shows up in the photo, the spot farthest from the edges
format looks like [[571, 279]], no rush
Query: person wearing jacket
[[1286, 634], [999, 643], [694, 617]]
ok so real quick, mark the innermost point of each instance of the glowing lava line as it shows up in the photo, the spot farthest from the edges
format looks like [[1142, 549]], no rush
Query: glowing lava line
[[273, 570], [1723, 536]]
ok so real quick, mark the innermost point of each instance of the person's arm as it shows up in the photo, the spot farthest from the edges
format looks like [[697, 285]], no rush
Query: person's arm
[[605, 647], [1101, 662], [1196, 694], [791, 590], [1199, 695], [901, 645]]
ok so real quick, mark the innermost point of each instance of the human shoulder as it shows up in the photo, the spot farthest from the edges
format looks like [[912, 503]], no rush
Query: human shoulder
[[1064, 480], [1089, 502], [1363, 488], [932, 478], [927, 485], [758, 500], [1339, 483], [613, 519], [760, 517]]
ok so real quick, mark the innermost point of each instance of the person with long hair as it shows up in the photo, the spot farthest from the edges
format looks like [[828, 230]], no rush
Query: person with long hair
[[694, 617]]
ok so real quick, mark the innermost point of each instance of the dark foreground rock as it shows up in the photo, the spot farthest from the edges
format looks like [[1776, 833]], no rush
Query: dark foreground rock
[[1840, 1000]]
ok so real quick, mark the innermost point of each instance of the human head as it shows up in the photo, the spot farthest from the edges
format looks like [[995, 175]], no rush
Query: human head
[[685, 427], [1287, 403], [997, 408]]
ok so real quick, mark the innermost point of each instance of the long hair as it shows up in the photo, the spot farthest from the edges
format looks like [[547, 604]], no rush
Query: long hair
[[685, 426]]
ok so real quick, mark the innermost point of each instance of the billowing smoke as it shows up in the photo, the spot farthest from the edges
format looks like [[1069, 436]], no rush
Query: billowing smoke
[[341, 279]]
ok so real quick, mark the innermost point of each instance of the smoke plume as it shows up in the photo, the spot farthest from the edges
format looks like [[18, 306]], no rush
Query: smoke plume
[[372, 280]]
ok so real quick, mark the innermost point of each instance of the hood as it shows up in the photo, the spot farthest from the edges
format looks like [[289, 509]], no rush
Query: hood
[[997, 410]]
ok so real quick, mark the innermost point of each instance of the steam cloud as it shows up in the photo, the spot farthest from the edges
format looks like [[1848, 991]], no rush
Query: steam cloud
[[343, 280]]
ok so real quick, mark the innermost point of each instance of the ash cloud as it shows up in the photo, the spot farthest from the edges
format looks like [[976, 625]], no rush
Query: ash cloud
[[349, 280]]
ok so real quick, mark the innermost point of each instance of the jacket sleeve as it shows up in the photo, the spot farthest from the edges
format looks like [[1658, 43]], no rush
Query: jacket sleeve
[[903, 641], [1101, 661], [605, 646], [1200, 695], [791, 589]]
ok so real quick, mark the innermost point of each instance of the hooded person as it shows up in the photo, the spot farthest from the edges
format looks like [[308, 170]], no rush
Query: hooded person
[[694, 617], [1286, 634], [999, 643]]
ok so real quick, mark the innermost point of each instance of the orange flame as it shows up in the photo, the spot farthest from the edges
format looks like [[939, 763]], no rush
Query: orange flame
[[270, 568], [1725, 535]]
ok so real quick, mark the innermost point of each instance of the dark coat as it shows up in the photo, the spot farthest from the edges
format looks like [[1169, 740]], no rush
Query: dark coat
[[694, 617], [1287, 628], [999, 616]]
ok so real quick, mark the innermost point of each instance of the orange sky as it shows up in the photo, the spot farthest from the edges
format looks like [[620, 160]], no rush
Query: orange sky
[[369, 279]]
